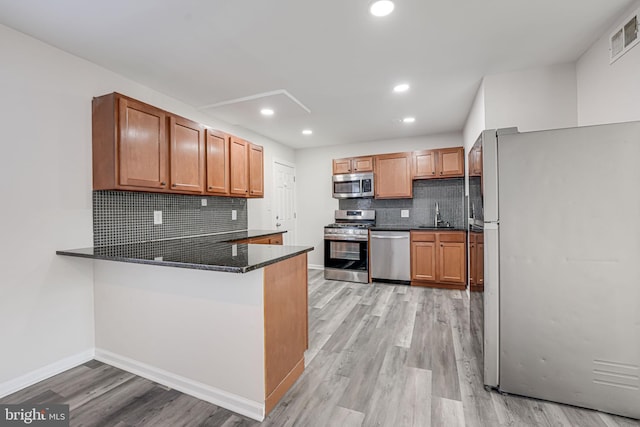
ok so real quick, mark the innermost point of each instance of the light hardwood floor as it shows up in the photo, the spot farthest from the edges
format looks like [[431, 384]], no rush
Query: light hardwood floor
[[380, 355]]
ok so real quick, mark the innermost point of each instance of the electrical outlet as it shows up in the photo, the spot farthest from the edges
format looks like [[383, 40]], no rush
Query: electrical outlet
[[234, 215], [157, 217], [203, 202], [404, 213]]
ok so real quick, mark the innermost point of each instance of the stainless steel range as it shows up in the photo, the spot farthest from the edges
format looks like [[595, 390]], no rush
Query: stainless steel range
[[346, 246]]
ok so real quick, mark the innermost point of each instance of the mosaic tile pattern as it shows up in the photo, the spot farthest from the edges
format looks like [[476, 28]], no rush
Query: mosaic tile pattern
[[449, 193], [475, 197], [121, 217]]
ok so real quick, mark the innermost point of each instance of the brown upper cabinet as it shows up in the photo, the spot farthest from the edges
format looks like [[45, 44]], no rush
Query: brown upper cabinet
[[353, 165], [440, 163], [239, 159], [130, 149], [187, 155], [256, 173], [393, 176], [139, 147], [475, 161], [217, 163], [247, 168]]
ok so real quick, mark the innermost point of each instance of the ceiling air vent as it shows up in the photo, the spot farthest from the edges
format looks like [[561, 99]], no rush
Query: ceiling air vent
[[624, 37]]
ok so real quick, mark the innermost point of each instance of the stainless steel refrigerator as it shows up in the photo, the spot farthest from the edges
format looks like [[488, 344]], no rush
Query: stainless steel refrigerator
[[561, 211]]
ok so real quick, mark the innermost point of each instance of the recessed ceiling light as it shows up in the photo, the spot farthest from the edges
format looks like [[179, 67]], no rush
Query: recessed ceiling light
[[266, 112], [403, 87], [408, 120], [381, 7], [307, 132]]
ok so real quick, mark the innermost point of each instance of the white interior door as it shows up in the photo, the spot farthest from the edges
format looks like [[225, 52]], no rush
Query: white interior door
[[284, 212]]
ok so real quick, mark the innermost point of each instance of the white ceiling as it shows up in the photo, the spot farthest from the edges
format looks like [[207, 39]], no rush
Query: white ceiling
[[331, 55]]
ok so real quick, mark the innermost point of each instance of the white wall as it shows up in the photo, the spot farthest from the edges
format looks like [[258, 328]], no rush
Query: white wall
[[608, 93], [476, 120], [534, 99], [314, 169], [46, 303]]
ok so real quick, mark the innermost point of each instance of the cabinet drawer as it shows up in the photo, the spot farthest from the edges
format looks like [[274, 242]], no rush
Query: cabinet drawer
[[451, 236], [423, 236]]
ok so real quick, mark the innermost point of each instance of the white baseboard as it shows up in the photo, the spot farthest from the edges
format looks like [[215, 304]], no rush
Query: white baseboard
[[230, 401], [30, 378], [315, 266]]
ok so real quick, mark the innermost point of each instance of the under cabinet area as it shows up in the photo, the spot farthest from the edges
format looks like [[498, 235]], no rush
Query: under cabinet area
[[438, 259], [139, 147], [395, 172], [273, 239]]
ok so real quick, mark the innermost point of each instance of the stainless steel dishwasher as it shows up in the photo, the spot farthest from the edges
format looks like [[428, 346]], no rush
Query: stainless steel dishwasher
[[390, 256]]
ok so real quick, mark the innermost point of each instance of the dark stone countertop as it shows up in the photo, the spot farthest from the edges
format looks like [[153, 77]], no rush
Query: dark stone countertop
[[414, 228], [215, 252]]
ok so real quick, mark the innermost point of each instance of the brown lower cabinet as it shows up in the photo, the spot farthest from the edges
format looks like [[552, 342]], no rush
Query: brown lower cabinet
[[476, 261], [438, 259], [273, 239]]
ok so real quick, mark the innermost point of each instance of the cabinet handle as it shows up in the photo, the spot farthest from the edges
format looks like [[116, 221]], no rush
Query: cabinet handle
[[433, 173], [173, 185], [440, 172], [163, 183], [210, 188]]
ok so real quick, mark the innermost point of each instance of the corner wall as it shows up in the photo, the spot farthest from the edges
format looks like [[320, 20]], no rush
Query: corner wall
[[46, 307], [534, 99], [608, 93]]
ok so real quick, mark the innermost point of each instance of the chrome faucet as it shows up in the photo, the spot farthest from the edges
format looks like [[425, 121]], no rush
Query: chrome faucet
[[438, 220]]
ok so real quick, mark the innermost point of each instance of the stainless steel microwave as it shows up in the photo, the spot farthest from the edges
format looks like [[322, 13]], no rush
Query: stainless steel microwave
[[353, 185]]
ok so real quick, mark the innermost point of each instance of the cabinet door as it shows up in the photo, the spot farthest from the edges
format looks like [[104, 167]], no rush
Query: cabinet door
[[480, 262], [142, 148], [217, 163], [362, 164], [239, 167], [393, 176], [341, 166], [187, 155], [451, 262], [424, 164], [423, 261], [256, 171], [473, 259], [451, 162], [475, 165]]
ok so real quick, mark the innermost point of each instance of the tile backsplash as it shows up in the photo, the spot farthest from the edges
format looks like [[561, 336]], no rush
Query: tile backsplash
[[449, 193], [128, 217]]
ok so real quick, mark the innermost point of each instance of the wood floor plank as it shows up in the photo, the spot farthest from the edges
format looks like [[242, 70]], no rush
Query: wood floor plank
[[615, 421], [415, 405], [384, 403], [580, 417], [447, 412], [344, 417]]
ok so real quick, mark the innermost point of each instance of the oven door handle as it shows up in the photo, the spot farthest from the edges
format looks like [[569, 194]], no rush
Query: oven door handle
[[388, 237], [346, 239]]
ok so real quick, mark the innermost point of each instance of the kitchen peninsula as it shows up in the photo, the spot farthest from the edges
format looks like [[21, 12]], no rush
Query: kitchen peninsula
[[236, 340]]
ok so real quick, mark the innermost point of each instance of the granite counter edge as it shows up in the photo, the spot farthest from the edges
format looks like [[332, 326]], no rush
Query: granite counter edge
[[192, 266]]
